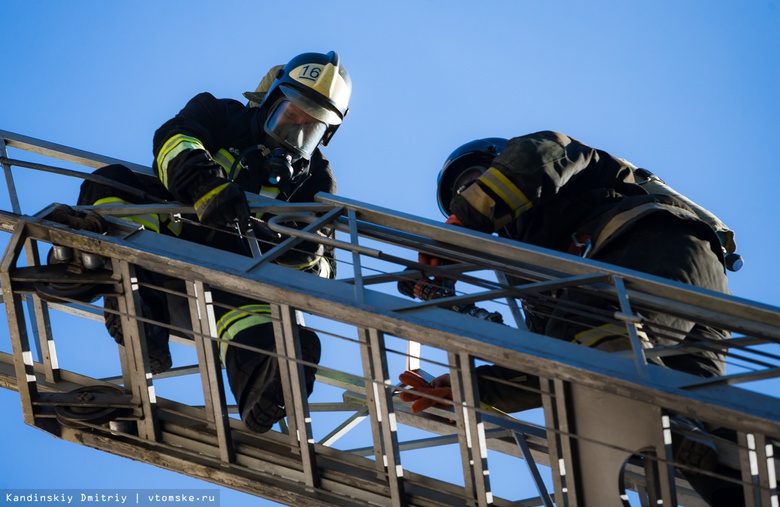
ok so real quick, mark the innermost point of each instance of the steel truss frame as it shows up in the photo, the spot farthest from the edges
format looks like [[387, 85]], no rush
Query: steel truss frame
[[584, 450]]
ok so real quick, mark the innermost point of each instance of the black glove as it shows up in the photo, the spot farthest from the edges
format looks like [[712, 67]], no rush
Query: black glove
[[480, 313], [427, 289], [222, 202]]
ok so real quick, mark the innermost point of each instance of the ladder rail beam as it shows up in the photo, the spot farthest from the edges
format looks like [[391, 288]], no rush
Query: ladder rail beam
[[316, 473], [431, 326]]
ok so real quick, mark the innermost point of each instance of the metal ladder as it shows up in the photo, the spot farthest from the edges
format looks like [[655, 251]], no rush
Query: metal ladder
[[601, 438]]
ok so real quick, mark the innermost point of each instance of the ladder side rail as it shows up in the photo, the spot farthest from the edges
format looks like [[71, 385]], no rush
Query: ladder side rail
[[24, 367], [432, 326], [9, 179], [205, 335], [388, 426], [463, 244], [61, 152], [402, 221], [40, 322], [293, 384], [471, 434]]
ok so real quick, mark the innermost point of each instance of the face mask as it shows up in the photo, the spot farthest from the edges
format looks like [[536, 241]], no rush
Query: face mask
[[294, 129]]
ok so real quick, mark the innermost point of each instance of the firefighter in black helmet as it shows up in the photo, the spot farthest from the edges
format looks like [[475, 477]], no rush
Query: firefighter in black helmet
[[550, 190], [208, 155]]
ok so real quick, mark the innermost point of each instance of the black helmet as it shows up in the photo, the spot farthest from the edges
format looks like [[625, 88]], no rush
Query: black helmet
[[463, 166], [307, 102]]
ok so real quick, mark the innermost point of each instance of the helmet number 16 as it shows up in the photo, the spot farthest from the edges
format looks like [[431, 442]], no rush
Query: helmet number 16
[[310, 72]]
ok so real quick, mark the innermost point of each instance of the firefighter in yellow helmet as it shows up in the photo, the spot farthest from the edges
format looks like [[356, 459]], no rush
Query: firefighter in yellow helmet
[[208, 155]]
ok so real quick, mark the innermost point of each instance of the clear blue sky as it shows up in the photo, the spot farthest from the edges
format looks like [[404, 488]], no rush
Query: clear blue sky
[[688, 89]]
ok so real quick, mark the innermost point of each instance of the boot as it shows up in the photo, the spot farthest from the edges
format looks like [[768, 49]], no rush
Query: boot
[[691, 445], [157, 347]]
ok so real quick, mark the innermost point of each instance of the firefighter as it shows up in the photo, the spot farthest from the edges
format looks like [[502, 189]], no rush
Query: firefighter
[[208, 155], [552, 191]]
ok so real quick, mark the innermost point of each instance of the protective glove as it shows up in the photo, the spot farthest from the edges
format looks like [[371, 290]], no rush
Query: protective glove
[[438, 387], [429, 260], [432, 260], [222, 202], [480, 313], [454, 220]]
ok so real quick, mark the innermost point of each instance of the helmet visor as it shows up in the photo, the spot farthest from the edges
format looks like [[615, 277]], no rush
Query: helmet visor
[[452, 182], [293, 127], [466, 178], [311, 107]]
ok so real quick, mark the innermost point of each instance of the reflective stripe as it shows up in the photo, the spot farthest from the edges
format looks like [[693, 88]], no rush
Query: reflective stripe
[[149, 221], [172, 147], [591, 337], [302, 266], [269, 191], [203, 201], [174, 226], [597, 336], [503, 187], [226, 160], [235, 321], [272, 192]]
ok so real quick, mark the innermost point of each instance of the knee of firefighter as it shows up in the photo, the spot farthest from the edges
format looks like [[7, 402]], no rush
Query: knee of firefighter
[[611, 338], [92, 191], [614, 344], [256, 339], [262, 337]]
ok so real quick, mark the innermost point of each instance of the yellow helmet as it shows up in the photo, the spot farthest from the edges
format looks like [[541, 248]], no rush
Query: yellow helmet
[[315, 84]]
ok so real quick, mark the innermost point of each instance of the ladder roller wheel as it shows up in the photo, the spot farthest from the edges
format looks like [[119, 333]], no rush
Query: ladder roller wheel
[[76, 417]]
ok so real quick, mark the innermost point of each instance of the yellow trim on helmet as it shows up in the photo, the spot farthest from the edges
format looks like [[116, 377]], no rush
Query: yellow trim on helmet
[[325, 80]]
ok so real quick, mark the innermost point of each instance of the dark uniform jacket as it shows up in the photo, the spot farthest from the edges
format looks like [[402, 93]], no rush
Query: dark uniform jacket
[[549, 190], [199, 148], [208, 144], [212, 141], [546, 186]]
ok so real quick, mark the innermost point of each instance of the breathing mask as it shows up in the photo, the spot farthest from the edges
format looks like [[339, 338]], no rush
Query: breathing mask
[[294, 130], [279, 166]]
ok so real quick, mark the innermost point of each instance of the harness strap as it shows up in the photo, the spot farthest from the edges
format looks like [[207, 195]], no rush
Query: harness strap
[[592, 237]]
